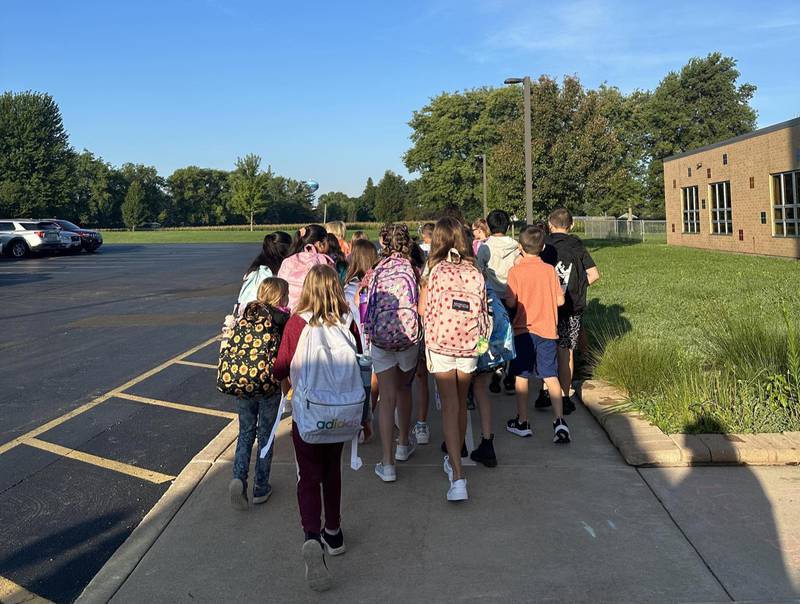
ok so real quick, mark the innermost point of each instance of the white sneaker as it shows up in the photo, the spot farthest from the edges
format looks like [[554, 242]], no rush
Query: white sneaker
[[448, 469], [317, 574], [403, 452], [422, 433], [458, 490], [386, 473]]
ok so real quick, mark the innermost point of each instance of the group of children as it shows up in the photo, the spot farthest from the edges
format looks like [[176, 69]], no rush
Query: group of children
[[464, 305]]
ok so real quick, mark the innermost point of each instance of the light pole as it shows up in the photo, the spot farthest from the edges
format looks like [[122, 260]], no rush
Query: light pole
[[526, 89], [482, 157]]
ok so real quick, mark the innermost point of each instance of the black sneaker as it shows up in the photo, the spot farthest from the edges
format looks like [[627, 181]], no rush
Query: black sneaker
[[464, 452], [543, 400], [334, 544], [494, 385], [519, 428], [560, 431], [485, 452], [509, 383], [569, 406]]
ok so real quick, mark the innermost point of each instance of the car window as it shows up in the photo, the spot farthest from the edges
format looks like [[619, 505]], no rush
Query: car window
[[69, 226], [30, 226], [7, 226], [48, 225]]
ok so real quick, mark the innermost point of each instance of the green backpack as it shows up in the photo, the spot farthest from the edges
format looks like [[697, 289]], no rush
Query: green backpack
[[247, 359]]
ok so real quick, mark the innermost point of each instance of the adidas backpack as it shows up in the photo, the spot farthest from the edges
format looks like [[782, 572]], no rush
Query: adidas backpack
[[247, 359], [295, 268], [392, 322], [456, 315], [328, 398]]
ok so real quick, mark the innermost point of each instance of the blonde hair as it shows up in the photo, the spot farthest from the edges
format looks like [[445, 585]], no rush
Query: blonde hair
[[482, 225], [322, 296], [358, 235], [337, 227], [273, 291]]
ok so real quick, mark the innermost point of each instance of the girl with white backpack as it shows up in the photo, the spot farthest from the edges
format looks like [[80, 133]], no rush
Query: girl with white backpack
[[457, 328], [319, 354], [393, 331], [274, 249]]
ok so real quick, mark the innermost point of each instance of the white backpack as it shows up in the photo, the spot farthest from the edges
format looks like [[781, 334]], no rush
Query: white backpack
[[249, 291], [328, 399]]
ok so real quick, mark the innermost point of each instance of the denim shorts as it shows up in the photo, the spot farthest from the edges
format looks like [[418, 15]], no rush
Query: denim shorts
[[536, 356]]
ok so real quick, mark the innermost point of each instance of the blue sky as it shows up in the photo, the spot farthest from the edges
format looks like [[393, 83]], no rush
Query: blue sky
[[324, 90]]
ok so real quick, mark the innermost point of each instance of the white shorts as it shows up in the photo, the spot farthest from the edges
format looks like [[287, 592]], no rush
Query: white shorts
[[441, 363], [383, 360]]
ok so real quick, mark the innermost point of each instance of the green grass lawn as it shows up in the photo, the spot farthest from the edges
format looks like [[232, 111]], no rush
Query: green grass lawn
[[699, 340], [194, 236]]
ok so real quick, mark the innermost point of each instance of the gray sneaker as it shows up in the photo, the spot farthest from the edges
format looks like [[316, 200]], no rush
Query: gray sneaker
[[237, 491], [422, 433]]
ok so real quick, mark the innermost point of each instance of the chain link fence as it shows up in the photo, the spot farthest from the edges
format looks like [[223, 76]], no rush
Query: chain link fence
[[603, 227]]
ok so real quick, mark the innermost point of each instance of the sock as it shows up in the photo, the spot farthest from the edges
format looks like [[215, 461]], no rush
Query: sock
[[330, 532]]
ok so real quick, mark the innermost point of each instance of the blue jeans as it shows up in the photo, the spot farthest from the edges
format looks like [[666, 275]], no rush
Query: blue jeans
[[256, 418]]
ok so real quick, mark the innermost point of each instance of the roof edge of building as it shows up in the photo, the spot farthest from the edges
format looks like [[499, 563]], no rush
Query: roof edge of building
[[761, 131]]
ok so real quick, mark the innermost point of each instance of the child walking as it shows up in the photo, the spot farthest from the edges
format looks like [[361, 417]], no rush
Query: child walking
[[319, 355], [393, 330], [535, 292], [576, 271], [259, 392], [309, 248], [457, 327]]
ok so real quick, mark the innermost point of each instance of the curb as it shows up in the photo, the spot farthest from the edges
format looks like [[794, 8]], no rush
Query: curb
[[643, 444], [122, 563]]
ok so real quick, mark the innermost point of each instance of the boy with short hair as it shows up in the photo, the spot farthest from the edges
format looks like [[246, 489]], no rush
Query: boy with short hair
[[495, 258], [535, 291], [576, 271]]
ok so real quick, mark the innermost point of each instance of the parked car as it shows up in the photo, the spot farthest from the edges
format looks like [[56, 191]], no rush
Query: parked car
[[20, 237], [90, 240]]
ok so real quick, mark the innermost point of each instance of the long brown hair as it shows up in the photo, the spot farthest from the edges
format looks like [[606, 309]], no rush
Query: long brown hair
[[322, 296], [363, 257], [448, 234]]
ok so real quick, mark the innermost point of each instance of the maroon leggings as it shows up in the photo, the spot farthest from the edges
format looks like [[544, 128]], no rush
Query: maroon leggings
[[318, 465]]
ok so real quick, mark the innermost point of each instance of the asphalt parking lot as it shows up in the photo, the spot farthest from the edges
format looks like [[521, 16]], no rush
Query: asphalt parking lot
[[108, 391]]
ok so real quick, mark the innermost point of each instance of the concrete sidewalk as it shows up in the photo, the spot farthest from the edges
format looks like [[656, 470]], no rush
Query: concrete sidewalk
[[557, 524]]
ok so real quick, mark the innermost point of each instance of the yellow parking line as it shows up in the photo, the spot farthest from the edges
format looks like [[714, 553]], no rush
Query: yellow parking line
[[84, 408], [179, 406], [109, 464], [11, 593], [196, 364]]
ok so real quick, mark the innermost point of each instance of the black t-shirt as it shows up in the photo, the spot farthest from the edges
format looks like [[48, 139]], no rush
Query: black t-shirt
[[570, 259]]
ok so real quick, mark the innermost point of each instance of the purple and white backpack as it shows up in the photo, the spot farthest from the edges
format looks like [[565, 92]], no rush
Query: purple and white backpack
[[392, 322]]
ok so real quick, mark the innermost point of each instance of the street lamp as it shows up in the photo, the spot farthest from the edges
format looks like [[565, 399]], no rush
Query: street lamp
[[482, 157], [526, 88]]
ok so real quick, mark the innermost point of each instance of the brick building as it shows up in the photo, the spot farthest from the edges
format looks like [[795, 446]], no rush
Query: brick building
[[738, 195]]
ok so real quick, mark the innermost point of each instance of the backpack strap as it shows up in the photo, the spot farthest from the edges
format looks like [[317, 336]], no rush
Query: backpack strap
[[453, 252]]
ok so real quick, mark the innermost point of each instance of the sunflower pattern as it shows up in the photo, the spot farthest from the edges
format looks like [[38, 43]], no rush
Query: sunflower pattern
[[246, 359]]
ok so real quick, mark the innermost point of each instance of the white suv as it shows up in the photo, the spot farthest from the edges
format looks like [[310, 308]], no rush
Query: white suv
[[18, 238]]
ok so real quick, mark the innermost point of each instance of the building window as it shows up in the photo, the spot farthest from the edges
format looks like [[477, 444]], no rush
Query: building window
[[721, 213], [690, 171], [752, 182], [786, 204], [708, 172], [691, 210], [724, 159]]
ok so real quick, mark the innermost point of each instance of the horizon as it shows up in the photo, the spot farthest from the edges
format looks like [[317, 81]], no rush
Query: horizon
[[328, 97]]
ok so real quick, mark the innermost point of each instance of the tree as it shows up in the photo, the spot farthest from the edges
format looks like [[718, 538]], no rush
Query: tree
[[198, 196], [249, 187], [366, 206], [577, 156], [340, 206], [447, 134], [134, 211], [35, 156], [697, 106], [156, 200], [390, 197], [99, 190]]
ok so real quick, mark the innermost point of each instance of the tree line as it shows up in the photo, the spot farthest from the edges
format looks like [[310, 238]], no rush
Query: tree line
[[597, 151]]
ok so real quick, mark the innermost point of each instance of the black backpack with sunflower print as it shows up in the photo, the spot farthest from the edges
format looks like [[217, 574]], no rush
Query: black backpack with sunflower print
[[247, 359]]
